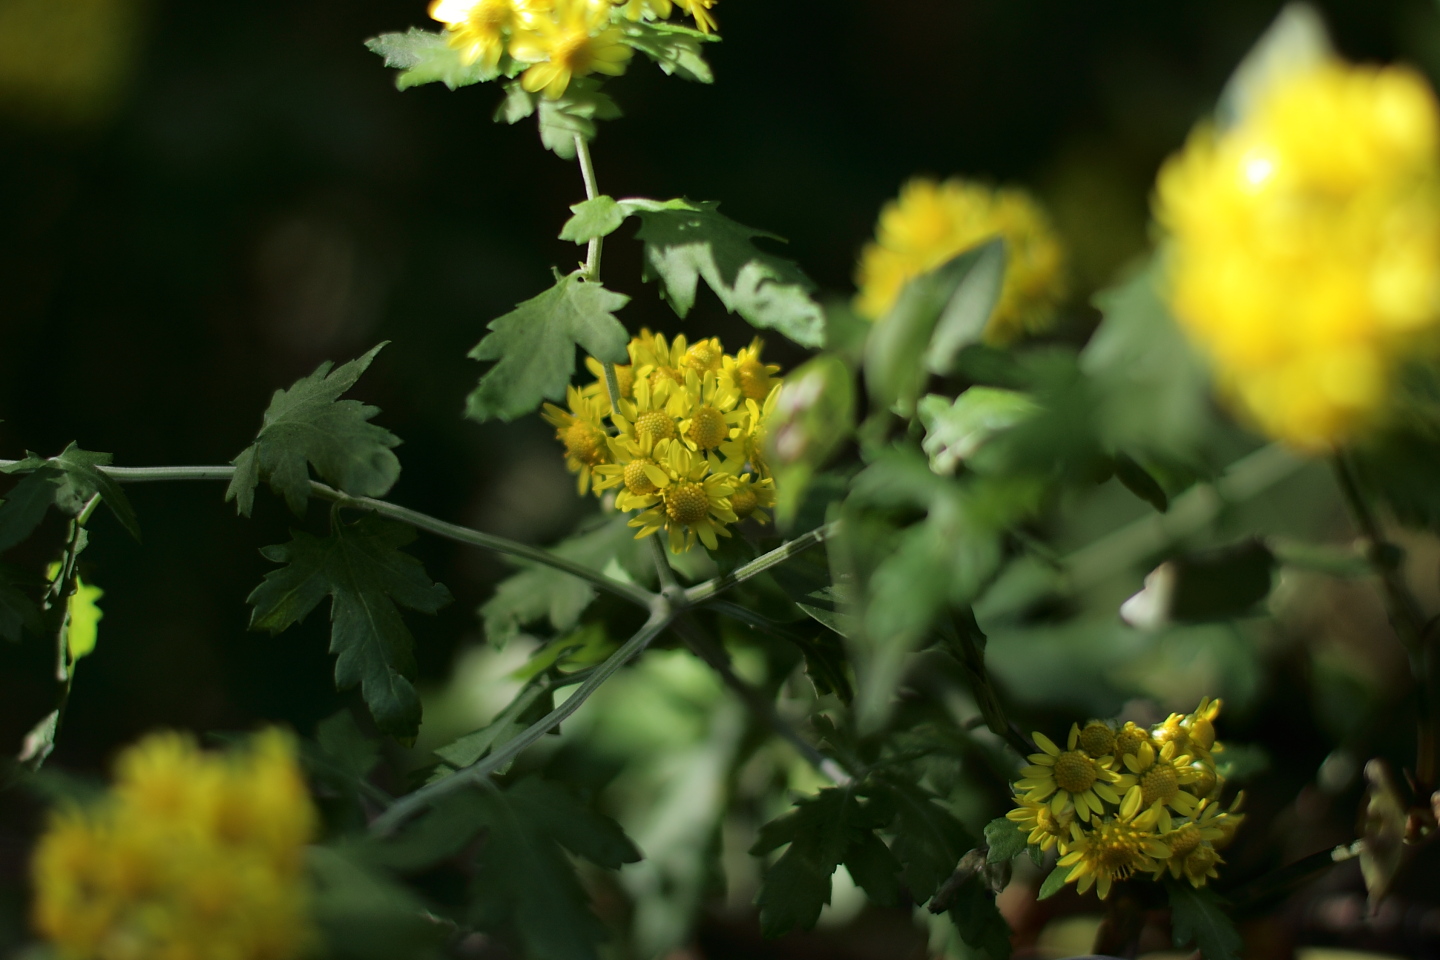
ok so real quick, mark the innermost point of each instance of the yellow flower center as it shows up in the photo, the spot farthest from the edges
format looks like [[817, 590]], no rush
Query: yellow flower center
[[744, 502], [1129, 740], [585, 442], [1159, 783], [703, 357], [1115, 847], [708, 428], [754, 380], [637, 481], [1074, 771], [572, 51], [1098, 739], [686, 503], [1184, 839], [655, 424]]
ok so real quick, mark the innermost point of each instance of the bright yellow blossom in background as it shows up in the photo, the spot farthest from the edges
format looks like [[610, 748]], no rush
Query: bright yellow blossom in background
[[931, 223], [191, 855], [1304, 247], [682, 443], [574, 40], [1162, 815]]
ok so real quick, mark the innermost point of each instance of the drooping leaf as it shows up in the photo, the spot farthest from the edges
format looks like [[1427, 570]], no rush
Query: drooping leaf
[[540, 592], [928, 840], [674, 47], [1141, 482], [1198, 918], [361, 568], [523, 879], [25, 507], [424, 56], [79, 479], [822, 831], [535, 346], [599, 217], [1005, 839], [954, 431], [562, 120], [686, 242], [309, 423]]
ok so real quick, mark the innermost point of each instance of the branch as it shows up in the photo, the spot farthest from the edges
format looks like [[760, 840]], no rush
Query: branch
[[711, 588], [587, 172], [421, 521], [478, 773]]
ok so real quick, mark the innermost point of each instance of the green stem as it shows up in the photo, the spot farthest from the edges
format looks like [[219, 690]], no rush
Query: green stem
[[587, 172], [478, 774], [702, 592], [669, 586], [1408, 620]]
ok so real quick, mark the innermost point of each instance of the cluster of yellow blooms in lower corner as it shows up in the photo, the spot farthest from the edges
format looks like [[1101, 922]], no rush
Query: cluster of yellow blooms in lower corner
[[684, 443], [559, 39], [931, 223], [190, 856], [1121, 800], [1304, 246]]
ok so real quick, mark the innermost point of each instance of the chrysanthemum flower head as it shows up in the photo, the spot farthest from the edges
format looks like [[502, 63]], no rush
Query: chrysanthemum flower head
[[477, 28], [1159, 777], [1114, 849], [1304, 247], [691, 500], [582, 432], [930, 223], [1069, 776], [574, 40], [1043, 827]]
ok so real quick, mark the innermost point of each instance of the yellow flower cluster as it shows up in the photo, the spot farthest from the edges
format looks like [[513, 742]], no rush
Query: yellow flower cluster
[[1123, 800], [191, 856], [684, 441], [559, 39], [932, 222], [1304, 252]]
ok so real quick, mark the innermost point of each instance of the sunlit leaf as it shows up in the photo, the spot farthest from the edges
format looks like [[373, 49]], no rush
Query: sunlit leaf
[[424, 56], [675, 48]]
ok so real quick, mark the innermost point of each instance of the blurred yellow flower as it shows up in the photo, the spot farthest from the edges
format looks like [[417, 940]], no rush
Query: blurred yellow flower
[[477, 28], [191, 854], [932, 222], [1304, 246], [575, 39]]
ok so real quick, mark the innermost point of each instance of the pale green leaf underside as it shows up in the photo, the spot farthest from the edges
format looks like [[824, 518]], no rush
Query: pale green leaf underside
[[424, 56]]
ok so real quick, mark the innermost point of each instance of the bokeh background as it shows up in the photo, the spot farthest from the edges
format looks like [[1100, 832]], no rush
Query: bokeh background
[[199, 202]]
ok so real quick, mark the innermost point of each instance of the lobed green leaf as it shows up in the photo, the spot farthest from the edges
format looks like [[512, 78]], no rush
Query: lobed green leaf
[[675, 48], [425, 56], [1197, 917], [1005, 839]]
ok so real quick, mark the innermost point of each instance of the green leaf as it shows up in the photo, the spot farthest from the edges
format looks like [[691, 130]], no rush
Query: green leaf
[[360, 567], [686, 242], [524, 880], [1140, 482], [23, 510], [17, 611], [874, 869], [347, 750], [424, 56], [541, 592], [308, 422], [675, 48], [898, 349], [82, 628], [814, 416], [561, 121], [1198, 918], [470, 748], [79, 478], [965, 317], [978, 920], [825, 662], [364, 915], [955, 431], [1005, 839], [928, 840], [535, 346], [1295, 42], [593, 218], [1053, 884]]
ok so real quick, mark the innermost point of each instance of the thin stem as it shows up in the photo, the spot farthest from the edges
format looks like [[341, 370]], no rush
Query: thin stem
[[702, 592], [1255, 895], [669, 586], [972, 662], [1408, 620], [478, 773], [587, 172], [713, 654], [421, 521]]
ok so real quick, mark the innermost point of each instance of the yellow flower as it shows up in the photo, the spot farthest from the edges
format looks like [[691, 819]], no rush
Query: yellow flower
[[477, 28], [580, 429], [190, 855], [751, 376], [657, 360], [1304, 247], [691, 501], [1113, 850], [1069, 776], [1043, 827], [700, 10], [1195, 843], [575, 40], [624, 379], [708, 414], [645, 9], [753, 497], [746, 451], [1159, 777], [931, 223]]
